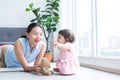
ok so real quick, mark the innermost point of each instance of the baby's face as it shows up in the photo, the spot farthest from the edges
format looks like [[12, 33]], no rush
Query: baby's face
[[61, 39]]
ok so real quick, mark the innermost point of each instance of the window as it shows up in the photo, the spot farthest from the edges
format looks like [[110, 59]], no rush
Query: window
[[108, 17], [98, 35], [84, 27], [97, 26]]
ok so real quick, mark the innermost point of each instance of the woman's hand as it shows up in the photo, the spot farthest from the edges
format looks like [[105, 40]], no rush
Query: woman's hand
[[38, 68]]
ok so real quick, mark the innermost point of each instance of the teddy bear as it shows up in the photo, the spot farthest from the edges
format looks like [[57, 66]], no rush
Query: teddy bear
[[45, 65]]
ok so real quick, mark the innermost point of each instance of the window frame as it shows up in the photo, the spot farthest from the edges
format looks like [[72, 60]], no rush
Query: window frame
[[106, 64]]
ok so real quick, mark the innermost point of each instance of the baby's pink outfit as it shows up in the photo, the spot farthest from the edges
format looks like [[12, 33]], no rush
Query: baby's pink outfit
[[67, 62]]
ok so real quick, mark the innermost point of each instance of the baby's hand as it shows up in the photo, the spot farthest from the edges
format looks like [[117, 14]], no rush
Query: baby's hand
[[56, 44]]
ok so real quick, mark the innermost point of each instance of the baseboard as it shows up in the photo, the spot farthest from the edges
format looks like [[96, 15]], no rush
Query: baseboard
[[109, 65], [101, 68]]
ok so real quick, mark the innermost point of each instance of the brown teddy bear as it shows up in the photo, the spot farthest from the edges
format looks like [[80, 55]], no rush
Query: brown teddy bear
[[45, 65]]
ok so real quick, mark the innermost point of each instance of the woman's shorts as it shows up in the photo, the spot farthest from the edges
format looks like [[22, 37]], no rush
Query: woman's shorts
[[3, 49]]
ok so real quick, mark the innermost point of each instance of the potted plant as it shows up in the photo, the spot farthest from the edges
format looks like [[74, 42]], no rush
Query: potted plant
[[48, 18]]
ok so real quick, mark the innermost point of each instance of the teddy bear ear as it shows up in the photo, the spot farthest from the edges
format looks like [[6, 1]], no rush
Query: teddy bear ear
[[45, 58], [45, 61]]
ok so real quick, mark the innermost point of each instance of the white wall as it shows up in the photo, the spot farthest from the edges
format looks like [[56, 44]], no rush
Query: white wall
[[66, 14], [66, 20], [13, 12]]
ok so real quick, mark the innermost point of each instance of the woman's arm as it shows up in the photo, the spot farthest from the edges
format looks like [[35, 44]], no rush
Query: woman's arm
[[40, 56], [20, 56]]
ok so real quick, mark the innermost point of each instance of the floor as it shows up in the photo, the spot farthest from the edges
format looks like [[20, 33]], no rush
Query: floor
[[83, 74]]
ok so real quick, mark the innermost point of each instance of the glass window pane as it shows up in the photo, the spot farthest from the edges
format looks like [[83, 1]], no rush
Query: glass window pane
[[108, 17], [84, 29]]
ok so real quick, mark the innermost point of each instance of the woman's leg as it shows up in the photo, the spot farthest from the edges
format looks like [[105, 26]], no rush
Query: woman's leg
[[2, 54]]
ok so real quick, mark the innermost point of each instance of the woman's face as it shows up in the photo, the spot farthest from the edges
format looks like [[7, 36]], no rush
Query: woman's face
[[61, 39], [35, 36]]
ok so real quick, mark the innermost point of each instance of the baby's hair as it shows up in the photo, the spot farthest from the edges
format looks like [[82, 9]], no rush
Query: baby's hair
[[68, 35]]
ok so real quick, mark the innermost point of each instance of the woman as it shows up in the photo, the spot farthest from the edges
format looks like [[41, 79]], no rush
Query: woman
[[29, 48]]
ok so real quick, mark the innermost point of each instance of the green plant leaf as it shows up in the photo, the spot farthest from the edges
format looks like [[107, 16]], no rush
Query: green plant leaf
[[54, 29], [48, 4], [56, 9], [36, 12], [53, 25], [55, 5], [49, 18], [48, 9], [27, 9], [48, 1], [44, 16], [31, 5], [33, 20], [38, 9], [55, 14], [55, 19]]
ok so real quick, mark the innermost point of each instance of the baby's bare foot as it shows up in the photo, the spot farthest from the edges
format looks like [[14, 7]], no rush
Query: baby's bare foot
[[56, 69]]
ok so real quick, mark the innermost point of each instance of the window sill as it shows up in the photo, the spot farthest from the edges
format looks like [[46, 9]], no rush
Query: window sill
[[109, 65]]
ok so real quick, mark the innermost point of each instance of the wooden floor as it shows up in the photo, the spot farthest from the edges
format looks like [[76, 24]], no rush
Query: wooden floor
[[83, 74], [92, 74]]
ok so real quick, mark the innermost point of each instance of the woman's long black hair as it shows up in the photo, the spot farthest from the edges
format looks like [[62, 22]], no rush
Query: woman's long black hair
[[29, 28]]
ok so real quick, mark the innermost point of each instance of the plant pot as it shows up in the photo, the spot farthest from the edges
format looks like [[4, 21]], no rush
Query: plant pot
[[48, 56]]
